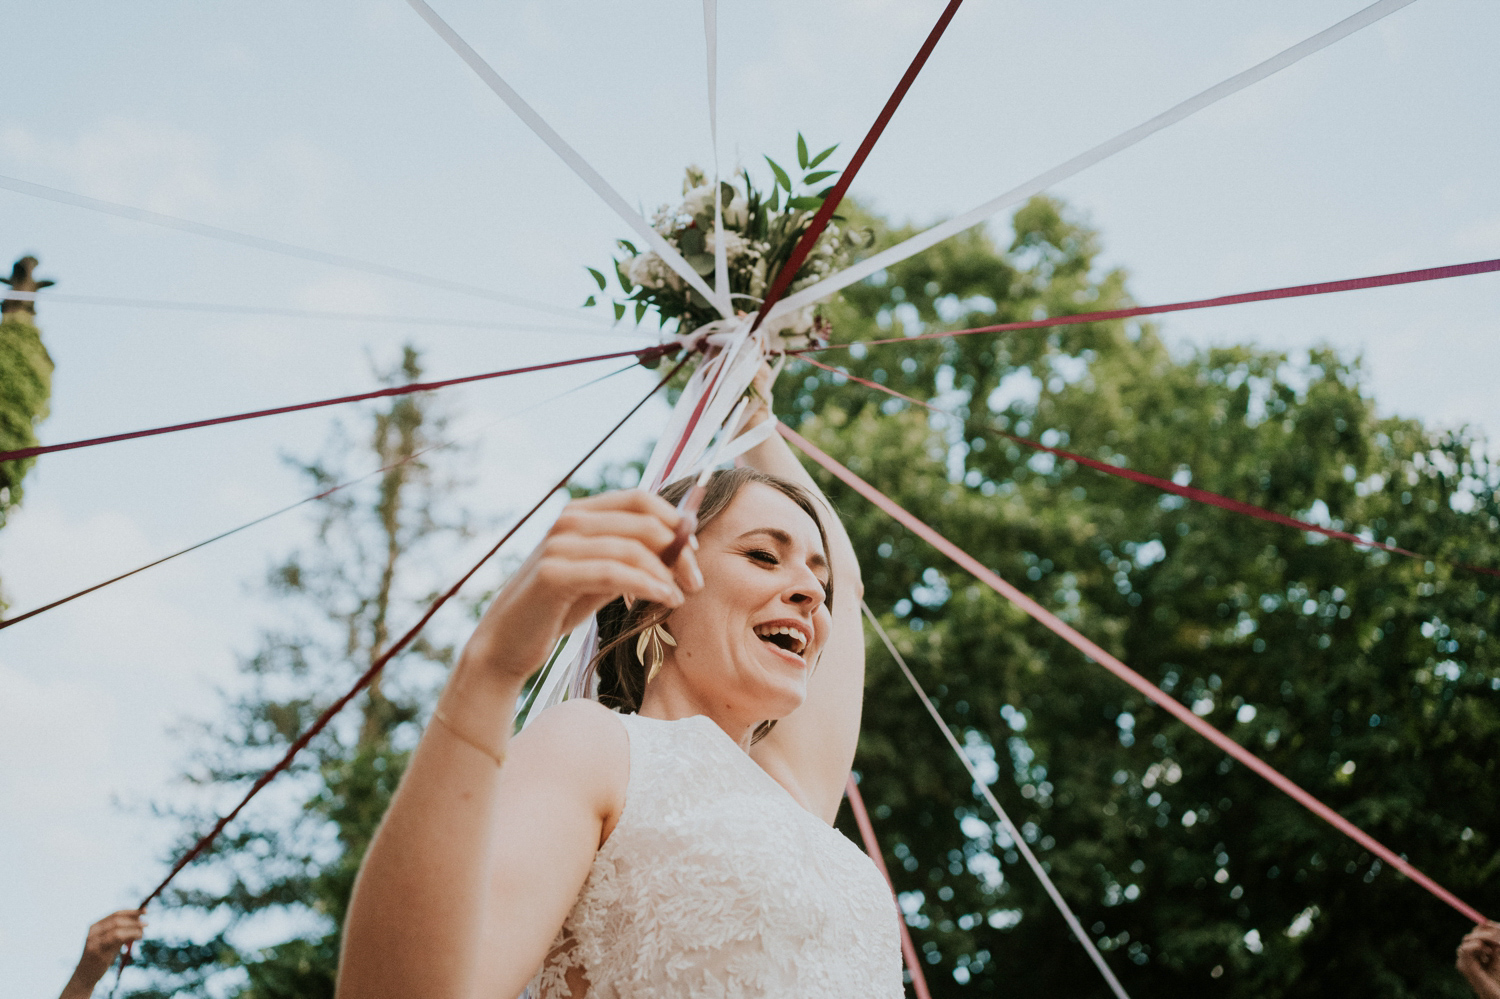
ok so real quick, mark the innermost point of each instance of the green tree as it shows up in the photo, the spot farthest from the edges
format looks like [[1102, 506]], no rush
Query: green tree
[[285, 871], [1373, 681], [25, 390]]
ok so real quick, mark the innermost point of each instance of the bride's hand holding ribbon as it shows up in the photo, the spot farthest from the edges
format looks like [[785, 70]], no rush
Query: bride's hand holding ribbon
[[600, 548]]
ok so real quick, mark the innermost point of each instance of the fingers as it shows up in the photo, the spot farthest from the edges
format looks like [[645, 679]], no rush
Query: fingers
[[114, 931], [646, 528], [122, 935], [124, 917], [637, 501], [573, 548], [764, 379], [685, 570], [639, 517], [604, 577]]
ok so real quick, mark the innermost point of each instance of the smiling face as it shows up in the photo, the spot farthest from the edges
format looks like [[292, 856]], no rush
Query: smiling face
[[747, 641]]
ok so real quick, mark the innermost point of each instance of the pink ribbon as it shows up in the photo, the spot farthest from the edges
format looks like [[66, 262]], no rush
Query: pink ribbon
[[1060, 628]]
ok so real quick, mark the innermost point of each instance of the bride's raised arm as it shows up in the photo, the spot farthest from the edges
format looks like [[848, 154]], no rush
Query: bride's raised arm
[[811, 750], [476, 865]]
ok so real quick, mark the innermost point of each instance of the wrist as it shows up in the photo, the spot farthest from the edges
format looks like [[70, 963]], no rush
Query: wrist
[[758, 412], [86, 975]]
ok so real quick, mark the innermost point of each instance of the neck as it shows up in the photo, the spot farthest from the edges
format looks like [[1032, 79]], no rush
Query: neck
[[670, 698]]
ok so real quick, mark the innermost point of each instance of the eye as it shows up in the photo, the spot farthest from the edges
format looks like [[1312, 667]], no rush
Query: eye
[[763, 557]]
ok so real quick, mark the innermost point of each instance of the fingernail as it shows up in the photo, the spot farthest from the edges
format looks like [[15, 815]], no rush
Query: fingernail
[[697, 578], [693, 540]]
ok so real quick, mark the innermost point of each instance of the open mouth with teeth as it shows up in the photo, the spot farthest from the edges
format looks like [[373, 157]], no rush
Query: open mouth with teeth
[[783, 636]]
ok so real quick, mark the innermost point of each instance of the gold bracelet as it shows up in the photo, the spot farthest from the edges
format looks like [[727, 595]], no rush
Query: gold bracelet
[[442, 719]]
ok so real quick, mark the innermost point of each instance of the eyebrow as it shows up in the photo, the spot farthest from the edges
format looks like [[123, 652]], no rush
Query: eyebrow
[[785, 539]]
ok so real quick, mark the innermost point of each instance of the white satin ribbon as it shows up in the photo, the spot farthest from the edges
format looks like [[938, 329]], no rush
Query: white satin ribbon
[[1005, 821], [719, 385], [565, 152], [721, 255], [1077, 164]]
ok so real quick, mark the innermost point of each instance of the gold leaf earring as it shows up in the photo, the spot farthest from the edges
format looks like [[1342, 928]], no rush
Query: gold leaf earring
[[650, 648]]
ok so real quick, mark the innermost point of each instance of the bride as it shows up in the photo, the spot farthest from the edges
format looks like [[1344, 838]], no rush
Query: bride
[[673, 839]]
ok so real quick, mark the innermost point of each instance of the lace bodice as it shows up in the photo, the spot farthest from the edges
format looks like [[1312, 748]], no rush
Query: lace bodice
[[716, 884]]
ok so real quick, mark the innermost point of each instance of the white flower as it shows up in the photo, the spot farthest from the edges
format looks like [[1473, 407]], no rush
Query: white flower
[[798, 322], [735, 245], [758, 278], [699, 201], [666, 220], [649, 271], [738, 211]]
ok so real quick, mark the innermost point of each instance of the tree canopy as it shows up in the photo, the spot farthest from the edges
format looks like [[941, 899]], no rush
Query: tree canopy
[[25, 391], [286, 871], [1371, 680]]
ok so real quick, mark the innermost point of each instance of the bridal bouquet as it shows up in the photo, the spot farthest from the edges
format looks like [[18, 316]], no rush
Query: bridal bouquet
[[761, 228]]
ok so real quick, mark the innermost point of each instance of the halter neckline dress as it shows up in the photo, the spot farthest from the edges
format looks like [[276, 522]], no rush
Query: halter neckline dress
[[717, 884]]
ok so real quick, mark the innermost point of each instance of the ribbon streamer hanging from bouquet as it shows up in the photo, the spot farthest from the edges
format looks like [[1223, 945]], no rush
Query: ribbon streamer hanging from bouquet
[[721, 297], [703, 412], [1042, 181], [134, 214], [565, 152], [1097, 654], [1005, 821]]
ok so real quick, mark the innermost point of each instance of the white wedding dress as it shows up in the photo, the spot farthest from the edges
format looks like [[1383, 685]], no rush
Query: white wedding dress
[[717, 884]]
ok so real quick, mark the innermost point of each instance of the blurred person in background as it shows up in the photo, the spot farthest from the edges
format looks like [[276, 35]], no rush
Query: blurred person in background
[[105, 939]]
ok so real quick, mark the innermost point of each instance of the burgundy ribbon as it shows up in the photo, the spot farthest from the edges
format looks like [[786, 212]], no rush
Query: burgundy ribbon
[[1166, 485], [7, 622], [642, 354], [846, 177], [830, 204], [1092, 651], [872, 847], [1294, 291], [385, 657]]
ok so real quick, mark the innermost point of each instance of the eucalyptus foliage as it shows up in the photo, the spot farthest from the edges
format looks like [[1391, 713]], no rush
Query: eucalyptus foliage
[[761, 229]]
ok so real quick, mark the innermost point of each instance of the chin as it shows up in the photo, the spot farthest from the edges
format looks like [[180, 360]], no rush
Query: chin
[[779, 697]]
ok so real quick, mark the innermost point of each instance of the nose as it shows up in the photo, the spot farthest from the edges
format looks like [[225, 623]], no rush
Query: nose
[[806, 591]]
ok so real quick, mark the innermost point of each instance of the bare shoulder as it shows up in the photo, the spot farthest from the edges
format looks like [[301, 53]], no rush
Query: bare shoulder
[[577, 746], [574, 732]]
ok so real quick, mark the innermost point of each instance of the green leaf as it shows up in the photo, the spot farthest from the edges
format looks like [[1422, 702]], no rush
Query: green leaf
[[821, 156], [619, 311], [813, 178], [775, 203], [808, 202], [589, 302], [703, 263], [628, 247], [781, 177], [726, 193], [598, 277], [801, 151], [640, 312]]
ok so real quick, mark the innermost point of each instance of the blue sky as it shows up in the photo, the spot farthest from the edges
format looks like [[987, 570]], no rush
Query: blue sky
[[350, 128]]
